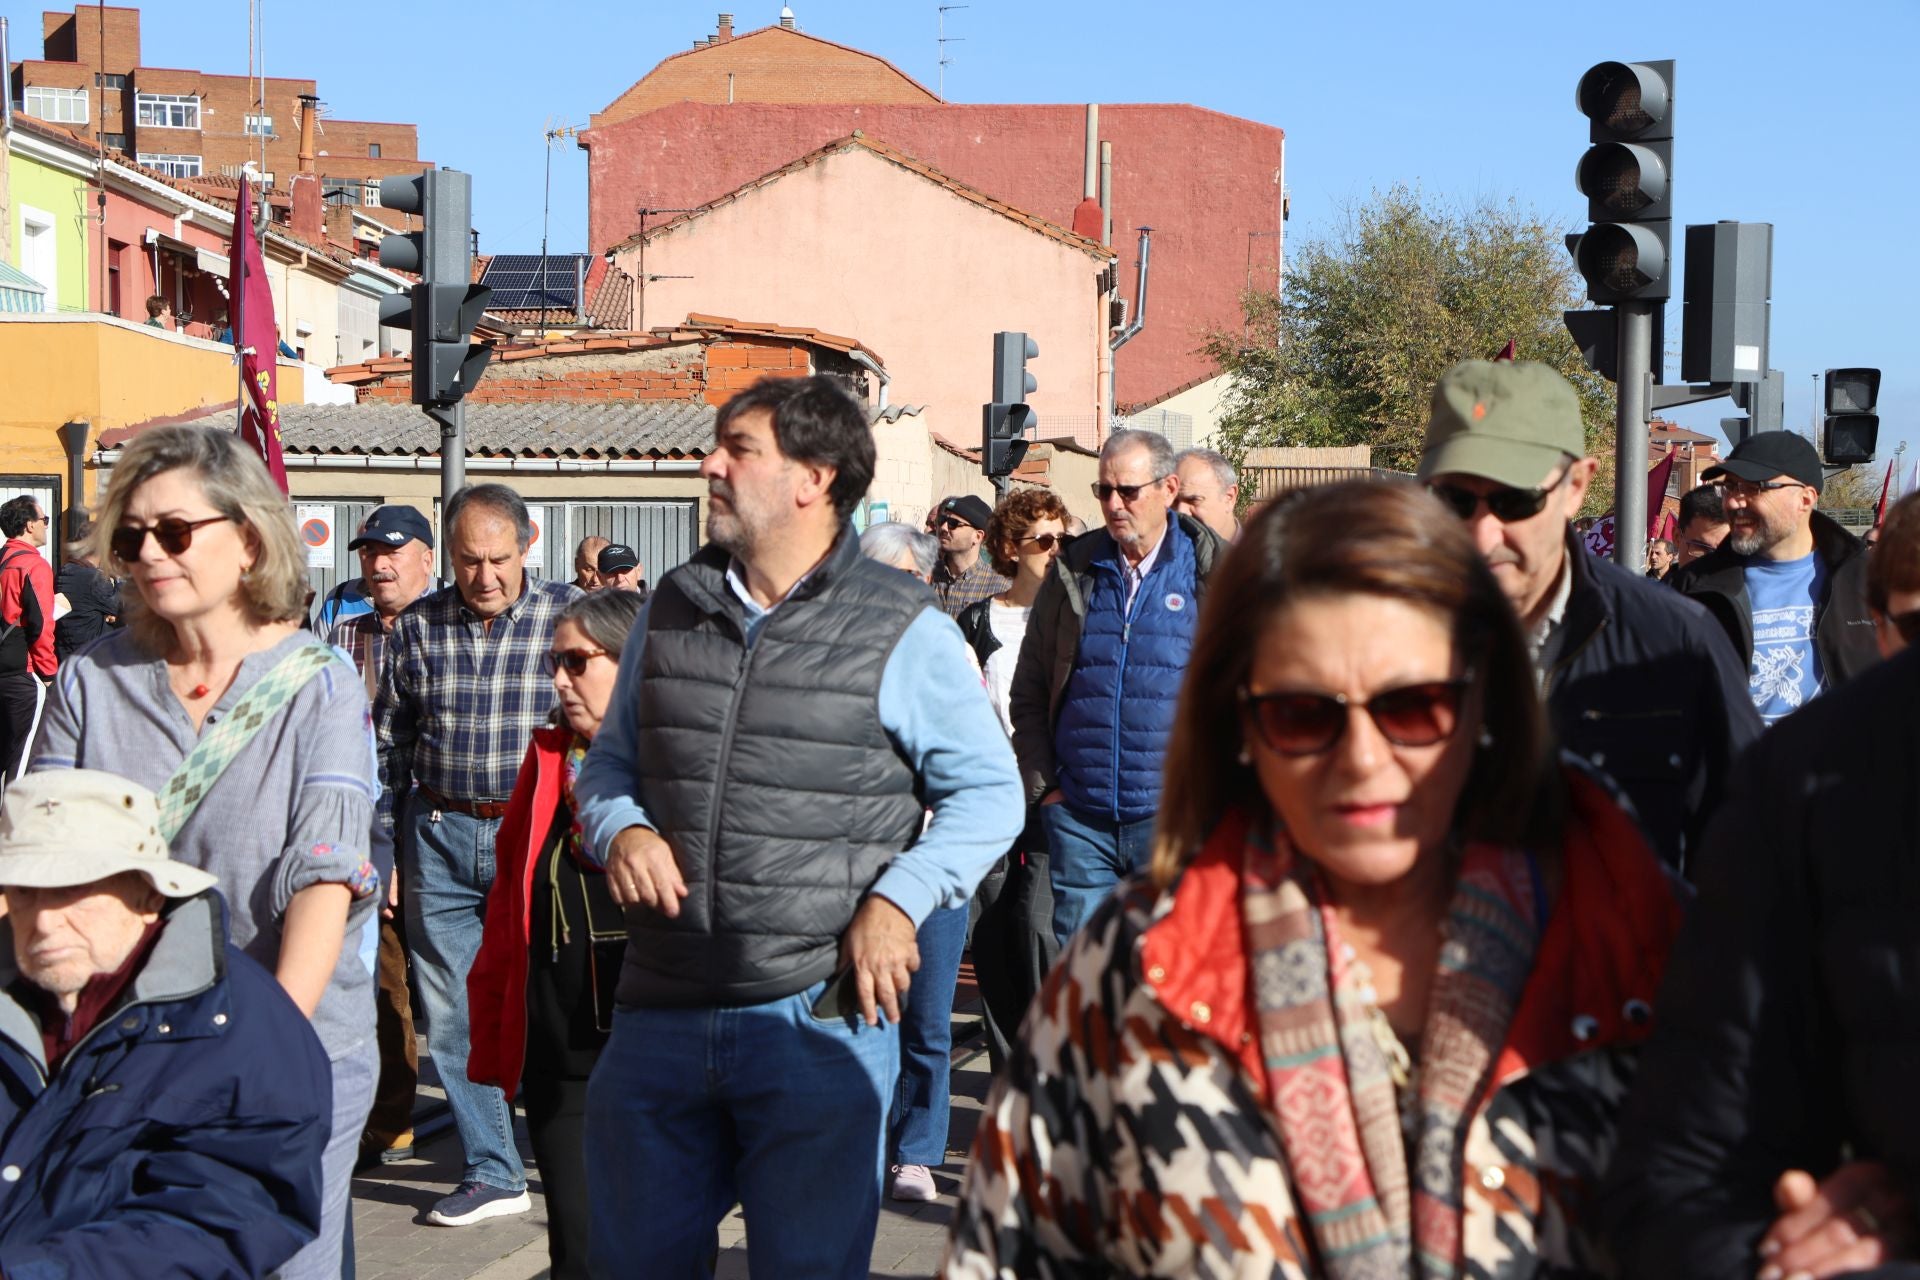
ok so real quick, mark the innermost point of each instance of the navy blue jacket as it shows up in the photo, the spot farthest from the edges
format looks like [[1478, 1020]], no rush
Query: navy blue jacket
[[1642, 685], [181, 1137], [1120, 700]]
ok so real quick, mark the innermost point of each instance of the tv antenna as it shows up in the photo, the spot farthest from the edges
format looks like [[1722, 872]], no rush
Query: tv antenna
[[946, 40], [554, 133]]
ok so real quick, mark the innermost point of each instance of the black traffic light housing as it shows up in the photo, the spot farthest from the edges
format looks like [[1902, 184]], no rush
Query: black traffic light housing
[[1006, 421], [1853, 428], [1627, 177], [443, 308]]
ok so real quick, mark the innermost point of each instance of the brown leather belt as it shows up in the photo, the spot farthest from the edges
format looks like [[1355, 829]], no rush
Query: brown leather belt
[[472, 808]]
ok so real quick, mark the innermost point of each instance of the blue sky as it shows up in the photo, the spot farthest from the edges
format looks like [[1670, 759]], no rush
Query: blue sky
[[1806, 116]]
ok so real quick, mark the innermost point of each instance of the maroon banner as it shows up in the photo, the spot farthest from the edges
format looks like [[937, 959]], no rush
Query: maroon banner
[[256, 341]]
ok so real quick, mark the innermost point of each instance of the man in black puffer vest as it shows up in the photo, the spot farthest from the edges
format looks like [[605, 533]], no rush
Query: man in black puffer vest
[[787, 714]]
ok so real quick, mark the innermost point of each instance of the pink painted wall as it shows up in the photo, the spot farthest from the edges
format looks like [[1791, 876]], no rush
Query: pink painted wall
[[857, 245], [127, 222], [1201, 179]]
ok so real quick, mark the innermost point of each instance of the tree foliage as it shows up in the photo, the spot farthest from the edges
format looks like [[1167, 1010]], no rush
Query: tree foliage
[[1368, 320]]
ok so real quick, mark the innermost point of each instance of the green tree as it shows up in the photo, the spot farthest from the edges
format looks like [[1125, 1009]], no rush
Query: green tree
[[1369, 318]]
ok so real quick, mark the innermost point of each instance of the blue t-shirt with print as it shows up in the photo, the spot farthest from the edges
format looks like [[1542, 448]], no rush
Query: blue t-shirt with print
[[1786, 673]]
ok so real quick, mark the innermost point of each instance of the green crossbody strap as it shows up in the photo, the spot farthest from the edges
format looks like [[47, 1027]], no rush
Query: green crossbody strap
[[219, 746]]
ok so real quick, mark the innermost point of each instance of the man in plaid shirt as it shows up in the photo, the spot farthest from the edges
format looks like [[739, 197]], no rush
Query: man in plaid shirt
[[462, 688], [964, 576]]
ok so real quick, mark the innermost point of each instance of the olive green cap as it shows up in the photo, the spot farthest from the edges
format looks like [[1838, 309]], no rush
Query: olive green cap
[[1506, 421]]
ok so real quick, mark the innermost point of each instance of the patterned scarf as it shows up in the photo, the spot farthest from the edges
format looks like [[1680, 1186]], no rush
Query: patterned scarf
[[1381, 1200], [576, 755]]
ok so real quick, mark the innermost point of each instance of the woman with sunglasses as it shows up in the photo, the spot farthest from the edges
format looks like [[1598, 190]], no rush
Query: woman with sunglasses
[[540, 992], [1013, 944], [1374, 1008], [216, 686]]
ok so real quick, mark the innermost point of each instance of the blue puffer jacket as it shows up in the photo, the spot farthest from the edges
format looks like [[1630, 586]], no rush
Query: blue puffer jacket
[[1119, 704], [181, 1137]]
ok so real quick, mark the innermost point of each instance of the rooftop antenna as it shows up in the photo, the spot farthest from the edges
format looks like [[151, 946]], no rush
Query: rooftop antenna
[[946, 40], [554, 133]]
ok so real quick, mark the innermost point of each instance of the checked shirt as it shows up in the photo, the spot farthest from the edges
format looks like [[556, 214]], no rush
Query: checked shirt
[[458, 702]]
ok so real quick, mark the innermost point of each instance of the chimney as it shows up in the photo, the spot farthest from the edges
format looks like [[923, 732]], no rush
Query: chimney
[[339, 227], [307, 216], [724, 32], [309, 113]]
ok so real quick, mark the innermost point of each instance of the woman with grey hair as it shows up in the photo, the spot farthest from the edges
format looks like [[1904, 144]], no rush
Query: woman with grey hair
[[255, 737], [903, 547], [540, 993]]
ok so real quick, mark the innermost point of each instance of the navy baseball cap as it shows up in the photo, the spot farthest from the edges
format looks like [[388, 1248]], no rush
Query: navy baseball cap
[[393, 526], [617, 558]]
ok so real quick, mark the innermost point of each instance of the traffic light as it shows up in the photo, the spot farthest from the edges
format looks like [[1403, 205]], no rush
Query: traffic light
[[1724, 320], [1008, 418], [1764, 399], [1627, 177], [443, 308], [1853, 428]]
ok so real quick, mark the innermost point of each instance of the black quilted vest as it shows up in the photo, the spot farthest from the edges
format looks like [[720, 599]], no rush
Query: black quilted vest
[[767, 771]]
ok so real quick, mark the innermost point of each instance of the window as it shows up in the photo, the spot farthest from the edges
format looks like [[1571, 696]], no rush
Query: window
[[116, 83], [373, 151], [62, 106], [172, 166], [370, 195], [168, 110], [341, 190], [260, 126], [114, 141]]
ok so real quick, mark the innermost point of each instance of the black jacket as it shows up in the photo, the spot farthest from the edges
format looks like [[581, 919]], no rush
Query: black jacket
[[976, 624], [1843, 628], [1641, 685], [766, 768], [1788, 1029], [93, 599]]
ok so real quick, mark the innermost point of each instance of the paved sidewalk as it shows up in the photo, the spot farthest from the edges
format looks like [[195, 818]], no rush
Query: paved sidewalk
[[394, 1241]]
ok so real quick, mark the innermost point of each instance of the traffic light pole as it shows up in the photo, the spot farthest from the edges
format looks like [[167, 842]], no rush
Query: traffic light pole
[[453, 447], [1635, 346]]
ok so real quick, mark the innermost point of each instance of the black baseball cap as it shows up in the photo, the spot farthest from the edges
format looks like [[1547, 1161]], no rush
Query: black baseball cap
[[967, 507], [616, 558], [1766, 454], [393, 526]]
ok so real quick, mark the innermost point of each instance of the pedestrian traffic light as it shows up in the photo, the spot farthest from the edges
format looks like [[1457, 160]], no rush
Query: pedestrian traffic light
[[1627, 177], [443, 308], [1008, 418], [1853, 428]]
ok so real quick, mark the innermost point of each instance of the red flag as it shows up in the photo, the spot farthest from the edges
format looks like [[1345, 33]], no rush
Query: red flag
[[256, 340], [1880, 512], [1657, 480], [1506, 352]]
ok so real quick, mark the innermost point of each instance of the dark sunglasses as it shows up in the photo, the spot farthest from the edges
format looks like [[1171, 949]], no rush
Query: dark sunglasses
[[1507, 505], [1045, 541], [1307, 724], [952, 522], [173, 534], [574, 660], [1127, 492], [1908, 625]]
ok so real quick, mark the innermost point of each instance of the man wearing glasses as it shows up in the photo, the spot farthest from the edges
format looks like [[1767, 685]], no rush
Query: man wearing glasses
[[1788, 584], [27, 660], [1638, 681], [963, 576], [1099, 673]]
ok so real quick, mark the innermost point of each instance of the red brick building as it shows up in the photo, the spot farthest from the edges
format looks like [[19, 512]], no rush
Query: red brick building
[[196, 124], [1210, 185]]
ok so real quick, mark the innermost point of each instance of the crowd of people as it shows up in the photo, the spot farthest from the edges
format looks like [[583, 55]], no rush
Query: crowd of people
[[1373, 882]]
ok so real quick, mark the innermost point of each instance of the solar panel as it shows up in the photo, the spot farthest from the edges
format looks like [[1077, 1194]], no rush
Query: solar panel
[[520, 282]]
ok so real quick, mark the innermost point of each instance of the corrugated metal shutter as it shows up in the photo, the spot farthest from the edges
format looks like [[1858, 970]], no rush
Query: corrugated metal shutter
[[664, 532]]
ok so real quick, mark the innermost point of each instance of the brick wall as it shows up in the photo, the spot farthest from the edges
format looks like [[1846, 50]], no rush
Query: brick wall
[[734, 366], [770, 65], [602, 370]]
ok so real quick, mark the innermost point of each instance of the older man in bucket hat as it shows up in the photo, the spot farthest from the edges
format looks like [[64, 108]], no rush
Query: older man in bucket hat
[[164, 1103], [1638, 681]]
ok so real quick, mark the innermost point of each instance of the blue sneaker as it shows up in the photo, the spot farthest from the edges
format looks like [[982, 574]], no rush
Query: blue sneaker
[[475, 1202]]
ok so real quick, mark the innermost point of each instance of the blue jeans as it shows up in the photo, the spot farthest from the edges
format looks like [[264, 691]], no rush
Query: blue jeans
[[449, 871], [330, 1254], [1088, 855], [690, 1110], [923, 1099]]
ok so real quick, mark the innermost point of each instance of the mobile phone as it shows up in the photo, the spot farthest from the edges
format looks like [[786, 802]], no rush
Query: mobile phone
[[841, 999]]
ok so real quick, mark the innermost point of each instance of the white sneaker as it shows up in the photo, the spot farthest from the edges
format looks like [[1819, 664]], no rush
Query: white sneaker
[[914, 1183], [475, 1202]]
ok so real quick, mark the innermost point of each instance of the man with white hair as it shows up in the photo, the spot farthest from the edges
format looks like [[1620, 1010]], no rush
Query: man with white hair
[[1209, 491], [1100, 669], [165, 1103]]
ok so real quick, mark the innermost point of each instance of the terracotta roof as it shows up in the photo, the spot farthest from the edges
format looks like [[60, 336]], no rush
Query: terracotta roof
[[896, 156], [792, 31], [1663, 432], [1033, 469], [701, 322]]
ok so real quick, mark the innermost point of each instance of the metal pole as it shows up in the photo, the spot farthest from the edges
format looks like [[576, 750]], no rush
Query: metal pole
[[1635, 320], [453, 451]]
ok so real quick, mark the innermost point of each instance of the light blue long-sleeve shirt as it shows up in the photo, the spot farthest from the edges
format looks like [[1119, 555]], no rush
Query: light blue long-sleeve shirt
[[932, 705]]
